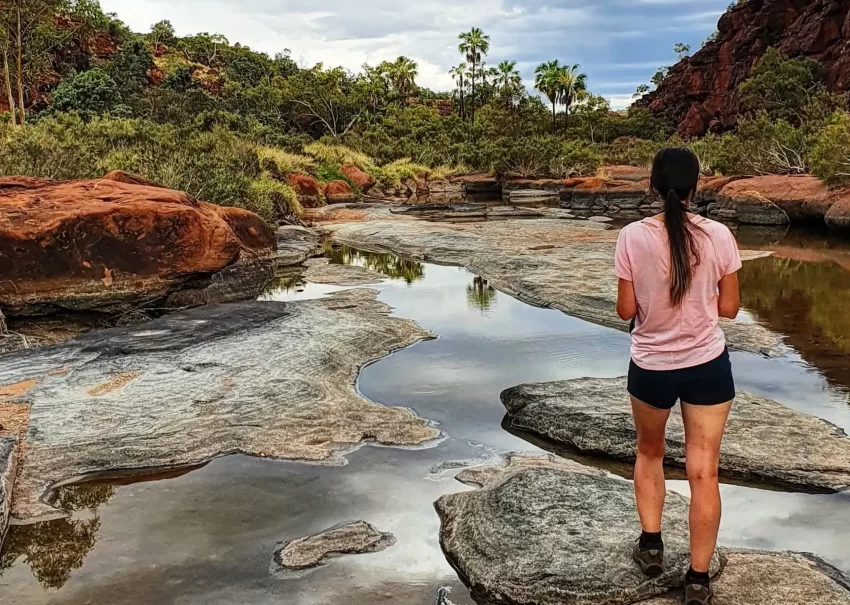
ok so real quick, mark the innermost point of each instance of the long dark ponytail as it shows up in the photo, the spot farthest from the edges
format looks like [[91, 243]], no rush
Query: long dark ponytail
[[675, 176]]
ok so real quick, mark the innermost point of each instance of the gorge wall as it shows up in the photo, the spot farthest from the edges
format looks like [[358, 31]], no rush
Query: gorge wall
[[699, 92]]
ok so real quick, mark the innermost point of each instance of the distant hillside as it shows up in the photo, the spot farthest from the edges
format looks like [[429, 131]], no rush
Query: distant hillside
[[699, 93]]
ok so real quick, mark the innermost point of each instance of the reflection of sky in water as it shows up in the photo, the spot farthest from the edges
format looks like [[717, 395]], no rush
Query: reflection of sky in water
[[208, 536]]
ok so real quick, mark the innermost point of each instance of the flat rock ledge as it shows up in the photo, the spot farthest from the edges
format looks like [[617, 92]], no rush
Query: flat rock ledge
[[545, 531], [302, 555], [561, 264], [765, 441], [261, 378], [322, 271]]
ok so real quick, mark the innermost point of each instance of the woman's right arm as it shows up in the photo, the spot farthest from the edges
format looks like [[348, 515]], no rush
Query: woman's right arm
[[729, 301]]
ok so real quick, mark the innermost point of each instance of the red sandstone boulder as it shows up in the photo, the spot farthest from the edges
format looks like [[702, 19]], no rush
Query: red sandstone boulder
[[625, 173], [803, 198], [119, 176], [339, 192], [699, 92], [755, 209], [108, 245], [838, 217], [306, 187], [479, 184], [363, 180]]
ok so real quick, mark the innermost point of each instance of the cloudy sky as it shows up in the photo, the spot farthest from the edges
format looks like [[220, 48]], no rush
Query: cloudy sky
[[619, 43]]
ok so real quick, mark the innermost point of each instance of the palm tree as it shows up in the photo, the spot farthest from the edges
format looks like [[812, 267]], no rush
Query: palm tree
[[508, 80], [572, 87], [459, 73], [474, 44], [546, 78], [403, 74]]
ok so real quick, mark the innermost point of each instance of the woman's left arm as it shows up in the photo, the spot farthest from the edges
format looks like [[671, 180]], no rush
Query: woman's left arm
[[627, 307]]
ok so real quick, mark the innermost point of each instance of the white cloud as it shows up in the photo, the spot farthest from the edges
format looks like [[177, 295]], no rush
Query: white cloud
[[620, 101]]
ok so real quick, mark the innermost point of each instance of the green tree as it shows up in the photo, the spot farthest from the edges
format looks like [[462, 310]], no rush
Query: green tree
[[682, 50], [204, 48], [782, 87], [324, 101], [572, 87], [402, 74], [641, 90], [162, 34], [460, 75], [474, 45], [89, 93], [546, 80], [509, 81]]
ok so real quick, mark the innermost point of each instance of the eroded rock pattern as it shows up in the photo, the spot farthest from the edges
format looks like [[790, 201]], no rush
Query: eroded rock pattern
[[552, 532], [764, 441], [296, 557], [262, 378], [574, 273], [8, 467]]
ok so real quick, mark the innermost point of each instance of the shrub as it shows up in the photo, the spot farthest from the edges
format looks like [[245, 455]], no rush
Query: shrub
[[782, 87], [830, 153], [326, 173], [337, 155], [629, 151], [281, 163], [392, 174], [272, 199], [577, 158], [445, 171], [89, 93]]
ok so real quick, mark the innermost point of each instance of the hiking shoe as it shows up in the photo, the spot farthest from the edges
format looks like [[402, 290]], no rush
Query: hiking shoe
[[651, 561], [698, 594]]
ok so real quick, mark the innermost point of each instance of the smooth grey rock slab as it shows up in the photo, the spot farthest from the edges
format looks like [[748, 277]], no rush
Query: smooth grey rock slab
[[302, 555], [576, 275], [295, 245], [765, 440], [8, 467], [550, 532], [322, 271], [263, 378], [761, 578]]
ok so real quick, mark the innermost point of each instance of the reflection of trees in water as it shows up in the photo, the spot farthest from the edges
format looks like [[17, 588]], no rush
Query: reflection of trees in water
[[807, 302], [480, 294], [54, 549], [385, 264]]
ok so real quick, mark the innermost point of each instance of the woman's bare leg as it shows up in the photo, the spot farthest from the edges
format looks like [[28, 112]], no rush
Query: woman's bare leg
[[704, 427], [650, 488]]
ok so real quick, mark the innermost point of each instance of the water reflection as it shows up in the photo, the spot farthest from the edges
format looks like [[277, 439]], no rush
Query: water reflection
[[806, 301], [480, 294], [54, 549], [383, 263]]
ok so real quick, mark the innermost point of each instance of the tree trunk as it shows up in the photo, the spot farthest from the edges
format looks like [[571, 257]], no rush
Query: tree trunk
[[462, 101], [566, 117], [9, 94], [554, 119], [472, 111], [22, 115]]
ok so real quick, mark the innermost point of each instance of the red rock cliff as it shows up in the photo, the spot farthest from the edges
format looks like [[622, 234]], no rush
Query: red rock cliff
[[699, 92]]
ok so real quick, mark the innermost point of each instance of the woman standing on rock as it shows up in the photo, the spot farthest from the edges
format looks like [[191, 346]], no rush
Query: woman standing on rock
[[678, 274]]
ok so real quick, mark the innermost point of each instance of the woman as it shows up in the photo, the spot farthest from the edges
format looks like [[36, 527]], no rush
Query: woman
[[677, 275]]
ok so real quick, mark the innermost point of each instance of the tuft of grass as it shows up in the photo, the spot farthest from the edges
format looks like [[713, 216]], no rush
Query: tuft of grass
[[338, 155], [392, 175], [272, 200], [445, 171], [281, 163]]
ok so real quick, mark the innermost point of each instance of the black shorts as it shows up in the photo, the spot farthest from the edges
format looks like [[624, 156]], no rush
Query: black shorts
[[707, 384]]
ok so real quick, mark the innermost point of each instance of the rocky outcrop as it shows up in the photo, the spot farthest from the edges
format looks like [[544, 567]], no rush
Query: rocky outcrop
[[553, 532], [838, 217], [362, 180], [110, 245], [593, 416], [339, 192], [805, 199], [8, 468], [699, 93], [302, 555], [482, 184], [562, 264], [755, 209], [259, 378], [306, 188]]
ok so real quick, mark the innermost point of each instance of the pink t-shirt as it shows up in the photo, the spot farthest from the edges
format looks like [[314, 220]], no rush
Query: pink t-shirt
[[668, 338]]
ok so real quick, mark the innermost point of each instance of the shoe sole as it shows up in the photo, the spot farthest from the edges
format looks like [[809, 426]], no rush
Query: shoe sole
[[653, 570]]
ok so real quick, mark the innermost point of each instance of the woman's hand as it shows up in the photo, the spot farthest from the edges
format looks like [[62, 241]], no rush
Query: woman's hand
[[626, 302]]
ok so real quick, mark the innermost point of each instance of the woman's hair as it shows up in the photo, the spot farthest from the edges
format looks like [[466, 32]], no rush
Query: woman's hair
[[675, 176]]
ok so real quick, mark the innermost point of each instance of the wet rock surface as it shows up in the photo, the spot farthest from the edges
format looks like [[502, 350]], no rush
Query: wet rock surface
[[299, 556], [562, 264], [757, 577], [765, 441], [553, 532], [262, 378]]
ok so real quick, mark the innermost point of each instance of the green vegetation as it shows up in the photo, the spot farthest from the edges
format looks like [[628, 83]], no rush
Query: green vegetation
[[230, 125]]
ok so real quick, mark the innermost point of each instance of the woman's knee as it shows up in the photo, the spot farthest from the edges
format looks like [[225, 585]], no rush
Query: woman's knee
[[652, 448], [702, 471]]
